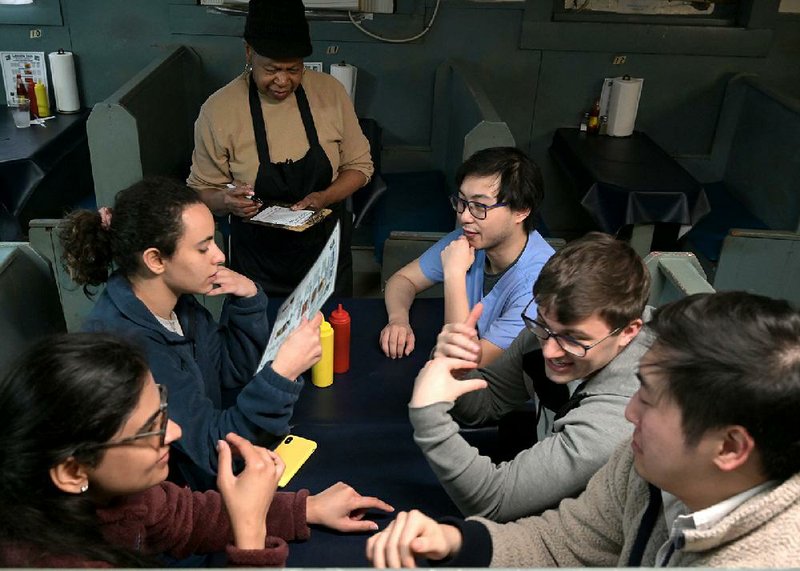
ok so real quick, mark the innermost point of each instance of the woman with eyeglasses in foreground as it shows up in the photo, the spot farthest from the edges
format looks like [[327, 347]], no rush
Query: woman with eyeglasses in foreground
[[86, 442]]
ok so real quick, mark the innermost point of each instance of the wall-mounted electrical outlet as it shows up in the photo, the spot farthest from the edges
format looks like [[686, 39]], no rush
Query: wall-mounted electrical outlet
[[35, 33], [619, 60]]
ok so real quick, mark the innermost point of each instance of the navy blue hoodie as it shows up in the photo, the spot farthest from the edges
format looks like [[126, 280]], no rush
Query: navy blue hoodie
[[208, 373]]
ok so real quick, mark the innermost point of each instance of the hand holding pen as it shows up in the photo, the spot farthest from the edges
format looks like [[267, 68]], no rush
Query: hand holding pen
[[240, 200]]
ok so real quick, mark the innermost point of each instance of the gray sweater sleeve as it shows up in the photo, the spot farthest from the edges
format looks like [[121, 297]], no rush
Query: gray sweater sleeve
[[556, 467], [537, 478]]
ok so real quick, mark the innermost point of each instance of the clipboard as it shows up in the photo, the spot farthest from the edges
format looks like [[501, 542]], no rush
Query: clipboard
[[315, 218]]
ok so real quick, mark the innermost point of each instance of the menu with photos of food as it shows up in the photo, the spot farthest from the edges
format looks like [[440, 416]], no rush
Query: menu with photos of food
[[307, 298]]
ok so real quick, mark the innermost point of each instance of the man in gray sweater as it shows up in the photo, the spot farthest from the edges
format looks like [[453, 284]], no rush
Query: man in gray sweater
[[577, 361], [710, 478]]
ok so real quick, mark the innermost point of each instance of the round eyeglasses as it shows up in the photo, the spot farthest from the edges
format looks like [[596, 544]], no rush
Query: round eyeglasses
[[567, 343], [478, 210], [158, 421]]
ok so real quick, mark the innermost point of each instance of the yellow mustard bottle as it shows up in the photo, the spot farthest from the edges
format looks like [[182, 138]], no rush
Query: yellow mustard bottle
[[322, 372], [41, 99]]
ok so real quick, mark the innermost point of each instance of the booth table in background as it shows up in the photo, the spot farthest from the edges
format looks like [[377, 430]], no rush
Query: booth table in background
[[363, 435], [629, 181], [44, 171]]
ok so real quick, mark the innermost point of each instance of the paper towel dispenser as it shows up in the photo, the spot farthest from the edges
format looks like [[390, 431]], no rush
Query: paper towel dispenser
[[619, 101]]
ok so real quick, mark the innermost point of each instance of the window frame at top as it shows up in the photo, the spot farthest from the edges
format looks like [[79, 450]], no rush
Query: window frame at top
[[751, 36]]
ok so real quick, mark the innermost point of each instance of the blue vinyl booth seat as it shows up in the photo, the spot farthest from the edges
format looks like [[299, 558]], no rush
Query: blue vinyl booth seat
[[754, 166], [413, 202], [463, 121], [362, 202], [29, 302], [726, 213]]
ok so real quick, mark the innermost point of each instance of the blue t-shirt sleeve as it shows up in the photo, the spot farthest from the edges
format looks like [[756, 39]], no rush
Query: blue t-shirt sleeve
[[431, 260], [504, 328], [502, 323]]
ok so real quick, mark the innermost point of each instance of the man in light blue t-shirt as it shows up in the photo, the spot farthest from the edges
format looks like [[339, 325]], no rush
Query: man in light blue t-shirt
[[494, 257]]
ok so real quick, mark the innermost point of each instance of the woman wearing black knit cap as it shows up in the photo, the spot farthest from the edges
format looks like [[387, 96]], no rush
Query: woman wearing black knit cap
[[280, 133]]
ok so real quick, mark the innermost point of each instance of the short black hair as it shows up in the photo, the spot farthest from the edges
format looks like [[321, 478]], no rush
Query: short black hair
[[521, 182], [733, 358]]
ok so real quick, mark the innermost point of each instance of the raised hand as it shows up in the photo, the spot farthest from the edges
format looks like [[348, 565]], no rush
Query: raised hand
[[248, 496], [436, 383], [300, 349], [397, 339], [412, 534], [460, 340], [342, 508], [228, 281]]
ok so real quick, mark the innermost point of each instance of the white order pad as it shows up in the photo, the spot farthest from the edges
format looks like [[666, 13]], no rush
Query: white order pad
[[307, 298], [282, 216]]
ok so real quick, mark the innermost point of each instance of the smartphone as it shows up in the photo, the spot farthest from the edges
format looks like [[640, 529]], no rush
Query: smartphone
[[294, 451]]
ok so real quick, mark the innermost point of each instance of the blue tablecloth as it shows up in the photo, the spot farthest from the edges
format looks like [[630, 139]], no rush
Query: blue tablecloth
[[628, 180], [364, 438]]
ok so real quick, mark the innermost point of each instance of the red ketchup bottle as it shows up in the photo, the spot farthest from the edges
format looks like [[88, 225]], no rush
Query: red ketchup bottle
[[22, 91], [340, 321], [31, 89]]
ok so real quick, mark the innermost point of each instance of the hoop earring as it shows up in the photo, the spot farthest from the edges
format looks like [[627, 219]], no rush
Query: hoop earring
[[84, 488]]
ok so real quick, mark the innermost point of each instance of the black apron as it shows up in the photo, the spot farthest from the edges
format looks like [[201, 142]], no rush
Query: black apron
[[278, 259]]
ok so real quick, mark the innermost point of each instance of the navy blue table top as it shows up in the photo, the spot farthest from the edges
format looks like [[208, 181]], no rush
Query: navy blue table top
[[376, 388], [28, 144], [377, 459], [628, 180], [363, 436], [44, 171]]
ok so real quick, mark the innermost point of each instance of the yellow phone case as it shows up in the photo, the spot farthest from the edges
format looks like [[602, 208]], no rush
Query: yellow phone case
[[294, 451]]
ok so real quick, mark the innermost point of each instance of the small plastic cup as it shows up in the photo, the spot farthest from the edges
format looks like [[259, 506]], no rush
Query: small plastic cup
[[22, 113]]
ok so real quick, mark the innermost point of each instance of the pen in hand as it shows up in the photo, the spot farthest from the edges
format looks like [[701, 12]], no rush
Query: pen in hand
[[251, 196], [240, 200]]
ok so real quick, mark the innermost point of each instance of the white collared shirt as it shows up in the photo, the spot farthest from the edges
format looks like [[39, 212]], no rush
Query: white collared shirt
[[678, 520]]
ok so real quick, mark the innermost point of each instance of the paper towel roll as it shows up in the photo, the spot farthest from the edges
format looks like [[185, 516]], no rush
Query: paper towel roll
[[346, 74], [65, 83], [623, 103]]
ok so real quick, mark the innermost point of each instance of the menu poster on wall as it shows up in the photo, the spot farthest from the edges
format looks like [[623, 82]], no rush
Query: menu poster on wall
[[307, 298], [27, 64]]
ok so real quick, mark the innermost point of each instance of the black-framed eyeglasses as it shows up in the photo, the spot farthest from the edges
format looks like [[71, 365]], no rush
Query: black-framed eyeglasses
[[567, 343], [478, 210], [159, 419]]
